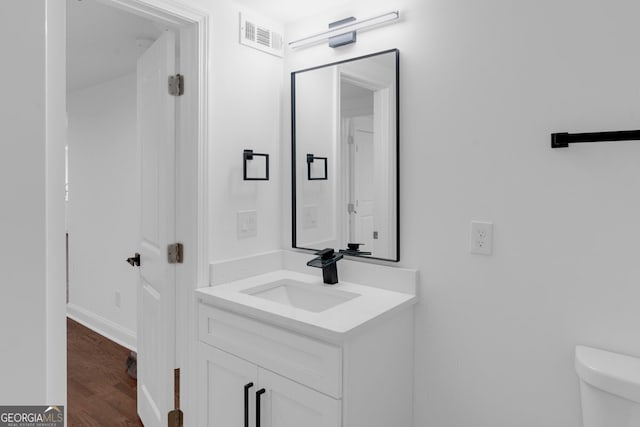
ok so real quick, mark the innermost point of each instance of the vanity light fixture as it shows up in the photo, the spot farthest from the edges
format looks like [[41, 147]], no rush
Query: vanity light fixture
[[348, 27]]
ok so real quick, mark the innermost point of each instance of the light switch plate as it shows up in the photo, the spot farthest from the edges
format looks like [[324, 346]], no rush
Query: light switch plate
[[310, 217], [247, 224]]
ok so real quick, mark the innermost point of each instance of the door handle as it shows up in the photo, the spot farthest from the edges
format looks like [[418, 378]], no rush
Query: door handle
[[135, 260], [246, 403], [258, 394]]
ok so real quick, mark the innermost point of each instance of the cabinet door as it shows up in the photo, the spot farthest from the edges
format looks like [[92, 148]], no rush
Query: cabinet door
[[289, 404], [222, 389]]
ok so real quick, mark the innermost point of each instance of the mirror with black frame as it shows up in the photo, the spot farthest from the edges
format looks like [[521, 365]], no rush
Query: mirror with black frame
[[345, 156]]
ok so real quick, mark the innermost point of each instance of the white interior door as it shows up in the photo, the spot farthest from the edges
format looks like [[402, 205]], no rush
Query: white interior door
[[156, 293], [363, 183]]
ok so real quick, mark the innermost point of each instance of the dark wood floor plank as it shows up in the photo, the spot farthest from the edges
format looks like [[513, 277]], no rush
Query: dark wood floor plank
[[99, 391]]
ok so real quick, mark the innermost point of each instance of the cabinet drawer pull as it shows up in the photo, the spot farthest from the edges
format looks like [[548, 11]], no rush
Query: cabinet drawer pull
[[246, 403], [258, 394]]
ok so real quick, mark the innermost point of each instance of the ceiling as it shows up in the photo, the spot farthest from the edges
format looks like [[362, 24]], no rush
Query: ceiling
[[291, 10], [103, 42]]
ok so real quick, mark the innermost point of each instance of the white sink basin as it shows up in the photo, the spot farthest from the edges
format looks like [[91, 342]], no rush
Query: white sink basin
[[310, 297], [302, 303]]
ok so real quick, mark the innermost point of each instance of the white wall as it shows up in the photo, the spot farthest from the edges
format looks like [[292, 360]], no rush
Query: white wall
[[32, 328], [245, 89], [483, 84], [104, 206]]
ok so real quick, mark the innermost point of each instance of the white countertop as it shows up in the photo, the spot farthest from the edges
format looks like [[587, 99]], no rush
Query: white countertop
[[334, 323]]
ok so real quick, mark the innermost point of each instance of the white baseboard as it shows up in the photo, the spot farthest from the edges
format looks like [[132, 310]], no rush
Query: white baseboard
[[102, 326]]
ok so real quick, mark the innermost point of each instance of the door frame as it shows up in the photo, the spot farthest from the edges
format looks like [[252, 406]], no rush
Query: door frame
[[192, 184], [382, 98]]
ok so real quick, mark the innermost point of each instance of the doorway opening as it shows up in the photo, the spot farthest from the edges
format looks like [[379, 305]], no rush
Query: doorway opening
[[104, 45], [365, 135], [107, 189]]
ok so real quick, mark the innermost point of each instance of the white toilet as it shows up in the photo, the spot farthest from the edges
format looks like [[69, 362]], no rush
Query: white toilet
[[609, 387]]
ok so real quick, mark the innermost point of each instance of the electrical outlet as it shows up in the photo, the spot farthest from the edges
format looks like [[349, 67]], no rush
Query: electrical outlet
[[481, 238], [247, 224], [117, 300]]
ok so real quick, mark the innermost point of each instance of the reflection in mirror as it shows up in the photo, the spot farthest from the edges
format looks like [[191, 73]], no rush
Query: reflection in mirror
[[345, 156]]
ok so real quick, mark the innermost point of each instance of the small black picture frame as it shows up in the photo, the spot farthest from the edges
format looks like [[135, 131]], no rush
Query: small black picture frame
[[248, 155], [311, 159]]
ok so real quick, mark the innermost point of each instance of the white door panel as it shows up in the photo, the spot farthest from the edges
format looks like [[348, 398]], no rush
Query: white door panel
[[363, 185], [289, 404], [222, 388], [156, 295]]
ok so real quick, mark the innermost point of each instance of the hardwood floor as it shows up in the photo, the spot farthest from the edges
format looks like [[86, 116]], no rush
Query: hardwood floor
[[99, 391]]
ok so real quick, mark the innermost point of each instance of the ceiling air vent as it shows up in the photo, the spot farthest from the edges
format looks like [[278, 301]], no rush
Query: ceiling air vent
[[261, 37]]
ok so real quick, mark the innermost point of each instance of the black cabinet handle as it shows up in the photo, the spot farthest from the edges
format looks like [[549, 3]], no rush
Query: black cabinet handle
[[258, 394], [246, 403]]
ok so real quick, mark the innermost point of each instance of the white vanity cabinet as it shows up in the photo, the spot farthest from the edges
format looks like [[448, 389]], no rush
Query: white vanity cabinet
[[289, 404], [222, 382], [231, 393], [364, 380]]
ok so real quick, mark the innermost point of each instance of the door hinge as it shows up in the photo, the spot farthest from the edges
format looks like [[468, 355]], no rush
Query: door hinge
[[176, 85], [176, 416], [351, 208], [175, 253], [350, 139]]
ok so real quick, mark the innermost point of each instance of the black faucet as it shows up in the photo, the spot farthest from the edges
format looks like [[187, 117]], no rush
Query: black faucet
[[327, 262]]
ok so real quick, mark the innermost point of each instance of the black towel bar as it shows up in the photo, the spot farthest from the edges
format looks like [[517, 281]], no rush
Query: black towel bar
[[563, 139]]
